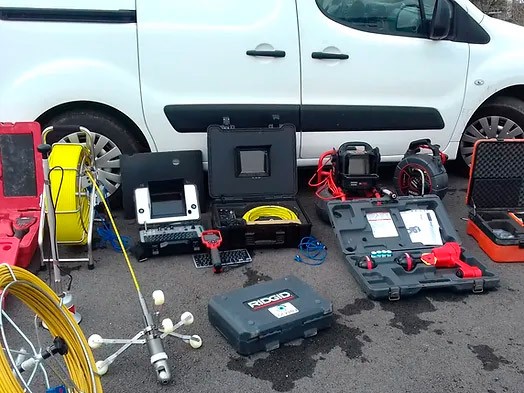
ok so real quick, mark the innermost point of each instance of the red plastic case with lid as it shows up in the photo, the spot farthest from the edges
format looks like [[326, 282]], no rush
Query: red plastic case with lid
[[21, 186]]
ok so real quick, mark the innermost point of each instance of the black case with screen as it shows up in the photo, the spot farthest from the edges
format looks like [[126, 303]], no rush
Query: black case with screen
[[250, 167]]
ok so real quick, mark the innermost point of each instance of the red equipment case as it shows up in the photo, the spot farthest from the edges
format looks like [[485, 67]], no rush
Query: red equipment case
[[21, 185], [496, 199]]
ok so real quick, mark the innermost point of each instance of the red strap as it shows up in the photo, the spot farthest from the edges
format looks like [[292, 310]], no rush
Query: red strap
[[369, 263], [409, 261]]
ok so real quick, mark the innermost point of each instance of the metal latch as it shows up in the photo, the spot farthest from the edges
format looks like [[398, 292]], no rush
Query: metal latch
[[478, 286], [276, 121], [226, 123], [394, 293]]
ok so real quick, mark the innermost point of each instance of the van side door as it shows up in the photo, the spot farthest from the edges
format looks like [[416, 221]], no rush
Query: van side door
[[370, 73], [203, 60]]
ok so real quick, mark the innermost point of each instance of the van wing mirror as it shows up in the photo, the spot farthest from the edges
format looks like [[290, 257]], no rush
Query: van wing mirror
[[442, 20]]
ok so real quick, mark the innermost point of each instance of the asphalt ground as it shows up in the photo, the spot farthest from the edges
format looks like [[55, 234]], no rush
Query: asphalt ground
[[433, 342]]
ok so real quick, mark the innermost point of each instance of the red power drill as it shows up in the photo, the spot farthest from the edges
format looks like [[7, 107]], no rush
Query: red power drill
[[448, 256]]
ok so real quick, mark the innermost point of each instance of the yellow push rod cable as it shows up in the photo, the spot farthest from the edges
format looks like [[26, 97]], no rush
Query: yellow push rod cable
[[103, 199], [44, 302]]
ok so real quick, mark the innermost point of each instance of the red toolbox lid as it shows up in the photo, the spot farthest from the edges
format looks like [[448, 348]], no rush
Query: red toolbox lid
[[21, 172], [496, 179]]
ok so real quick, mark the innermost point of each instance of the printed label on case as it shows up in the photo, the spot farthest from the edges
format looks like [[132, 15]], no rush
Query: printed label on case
[[270, 300], [283, 310]]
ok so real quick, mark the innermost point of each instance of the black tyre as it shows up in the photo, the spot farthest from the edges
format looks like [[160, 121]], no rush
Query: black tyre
[[111, 139], [501, 117]]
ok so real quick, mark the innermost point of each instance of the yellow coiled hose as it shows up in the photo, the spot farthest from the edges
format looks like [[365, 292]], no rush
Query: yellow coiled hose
[[41, 299], [270, 211], [66, 162]]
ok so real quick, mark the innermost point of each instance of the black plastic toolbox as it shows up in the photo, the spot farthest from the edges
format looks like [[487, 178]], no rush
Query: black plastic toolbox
[[390, 279], [251, 167], [263, 316]]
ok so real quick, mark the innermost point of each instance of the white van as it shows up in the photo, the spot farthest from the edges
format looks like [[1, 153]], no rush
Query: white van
[[151, 75]]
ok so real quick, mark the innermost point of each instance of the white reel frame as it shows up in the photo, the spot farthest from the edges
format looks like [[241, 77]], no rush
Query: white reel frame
[[152, 335]]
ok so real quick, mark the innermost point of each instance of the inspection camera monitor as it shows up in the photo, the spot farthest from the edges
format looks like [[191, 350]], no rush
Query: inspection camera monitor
[[252, 161], [166, 201], [357, 166]]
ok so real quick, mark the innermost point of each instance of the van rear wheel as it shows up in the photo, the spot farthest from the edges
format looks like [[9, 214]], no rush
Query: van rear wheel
[[111, 140], [502, 118]]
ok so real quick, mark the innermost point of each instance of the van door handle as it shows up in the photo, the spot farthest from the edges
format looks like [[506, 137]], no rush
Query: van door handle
[[324, 55], [266, 53]]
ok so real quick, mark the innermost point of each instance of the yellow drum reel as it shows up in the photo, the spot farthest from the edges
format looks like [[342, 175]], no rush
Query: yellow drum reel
[[67, 163], [73, 200]]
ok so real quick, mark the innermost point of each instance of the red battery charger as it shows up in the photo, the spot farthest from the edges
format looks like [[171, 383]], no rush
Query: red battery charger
[[21, 185]]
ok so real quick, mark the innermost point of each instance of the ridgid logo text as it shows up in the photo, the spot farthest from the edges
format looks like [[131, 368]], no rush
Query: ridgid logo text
[[270, 300]]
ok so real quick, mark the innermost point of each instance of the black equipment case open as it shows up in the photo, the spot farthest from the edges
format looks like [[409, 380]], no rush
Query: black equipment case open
[[263, 316], [389, 279], [251, 167], [496, 199]]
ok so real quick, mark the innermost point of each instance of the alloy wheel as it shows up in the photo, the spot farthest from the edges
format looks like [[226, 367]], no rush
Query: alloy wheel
[[107, 157], [488, 127]]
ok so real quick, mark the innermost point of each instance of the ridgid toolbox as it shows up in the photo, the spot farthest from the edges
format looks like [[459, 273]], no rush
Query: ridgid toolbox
[[264, 316], [252, 174], [396, 248], [496, 199]]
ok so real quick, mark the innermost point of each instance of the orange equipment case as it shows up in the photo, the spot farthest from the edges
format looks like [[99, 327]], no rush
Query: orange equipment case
[[21, 186], [496, 198]]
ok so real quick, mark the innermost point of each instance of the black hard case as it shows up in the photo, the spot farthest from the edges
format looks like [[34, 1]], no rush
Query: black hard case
[[240, 194], [389, 279], [250, 331], [496, 187]]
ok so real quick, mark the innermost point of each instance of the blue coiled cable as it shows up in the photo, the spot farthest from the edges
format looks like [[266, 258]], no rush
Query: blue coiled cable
[[313, 249]]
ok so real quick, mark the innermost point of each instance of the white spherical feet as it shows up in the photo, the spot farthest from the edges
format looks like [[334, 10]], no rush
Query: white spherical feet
[[195, 341], [101, 367], [187, 318], [167, 325], [158, 297], [95, 341]]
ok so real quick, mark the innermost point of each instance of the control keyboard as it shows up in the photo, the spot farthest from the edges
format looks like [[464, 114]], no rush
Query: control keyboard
[[170, 233]]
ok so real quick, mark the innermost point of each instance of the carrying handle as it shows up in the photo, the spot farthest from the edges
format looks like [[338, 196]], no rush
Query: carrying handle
[[415, 146], [355, 145], [277, 241], [70, 129]]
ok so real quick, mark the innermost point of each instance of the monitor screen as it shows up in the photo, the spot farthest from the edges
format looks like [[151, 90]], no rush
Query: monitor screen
[[252, 162], [167, 198]]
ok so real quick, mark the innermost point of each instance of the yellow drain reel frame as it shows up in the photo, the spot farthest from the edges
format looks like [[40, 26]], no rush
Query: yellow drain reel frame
[[73, 201], [69, 341]]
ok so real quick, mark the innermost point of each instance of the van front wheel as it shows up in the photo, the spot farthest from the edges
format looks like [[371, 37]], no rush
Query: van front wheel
[[501, 118], [111, 140]]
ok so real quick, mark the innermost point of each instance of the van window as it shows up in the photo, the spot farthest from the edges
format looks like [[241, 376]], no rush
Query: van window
[[392, 17]]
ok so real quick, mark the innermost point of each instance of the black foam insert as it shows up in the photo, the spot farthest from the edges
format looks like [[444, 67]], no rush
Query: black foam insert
[[18, 165], [269, 171]]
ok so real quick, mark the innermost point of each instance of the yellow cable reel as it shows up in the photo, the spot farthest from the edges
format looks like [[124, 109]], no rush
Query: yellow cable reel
[[43, 302], [67, 164], [271, 214]]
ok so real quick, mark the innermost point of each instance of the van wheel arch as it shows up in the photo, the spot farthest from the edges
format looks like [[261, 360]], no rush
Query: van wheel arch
[[114, 133], [507, 108], [120, 117]]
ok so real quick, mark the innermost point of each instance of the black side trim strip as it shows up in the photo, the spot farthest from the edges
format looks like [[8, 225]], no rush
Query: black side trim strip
[[308, 118], [67, 15], [369, 118], [196, 118]]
